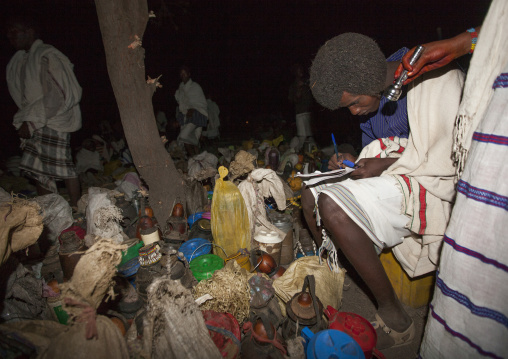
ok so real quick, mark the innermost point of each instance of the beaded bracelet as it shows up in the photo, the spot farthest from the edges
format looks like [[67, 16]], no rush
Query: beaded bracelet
[[149, 255], [474, 39]]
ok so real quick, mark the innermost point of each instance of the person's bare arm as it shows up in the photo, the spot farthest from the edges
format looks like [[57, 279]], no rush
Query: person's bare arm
[[436, 54], [371, 167]]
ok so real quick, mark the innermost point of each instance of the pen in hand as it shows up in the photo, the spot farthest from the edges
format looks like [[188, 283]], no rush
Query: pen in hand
[[340, 157], [349, 164], [335, 147]]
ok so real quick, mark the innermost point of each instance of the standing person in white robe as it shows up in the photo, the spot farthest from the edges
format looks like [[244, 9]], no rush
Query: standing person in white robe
[[192, 113], [212, 131], [468, 316], [42, 83]]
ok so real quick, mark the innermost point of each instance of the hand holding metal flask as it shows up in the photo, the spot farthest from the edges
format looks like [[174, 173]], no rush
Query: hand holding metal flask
[[394, 91]]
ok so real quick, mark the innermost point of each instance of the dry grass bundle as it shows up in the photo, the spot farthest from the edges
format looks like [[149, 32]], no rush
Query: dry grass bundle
[[229, 288]]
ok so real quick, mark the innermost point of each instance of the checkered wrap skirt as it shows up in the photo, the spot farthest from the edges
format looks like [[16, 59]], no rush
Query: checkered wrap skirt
[[47, 157]]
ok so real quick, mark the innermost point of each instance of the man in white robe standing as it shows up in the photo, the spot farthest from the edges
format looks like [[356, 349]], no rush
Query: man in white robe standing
[[191, 113], [42, 83], [212, 131]]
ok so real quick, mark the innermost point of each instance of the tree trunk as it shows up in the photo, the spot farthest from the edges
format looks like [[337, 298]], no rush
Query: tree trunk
[[120, 22]]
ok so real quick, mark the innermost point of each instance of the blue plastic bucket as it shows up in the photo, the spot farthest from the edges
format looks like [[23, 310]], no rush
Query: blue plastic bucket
[[195, 247], [194, 217]]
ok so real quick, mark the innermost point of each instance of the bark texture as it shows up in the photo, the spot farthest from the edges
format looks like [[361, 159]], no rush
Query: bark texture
[[121, 22]]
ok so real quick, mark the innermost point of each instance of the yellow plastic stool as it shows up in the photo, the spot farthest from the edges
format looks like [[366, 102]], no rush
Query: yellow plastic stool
[[414, 292]]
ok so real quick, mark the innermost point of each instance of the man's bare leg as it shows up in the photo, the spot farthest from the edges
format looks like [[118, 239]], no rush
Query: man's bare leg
[[74, 190], [191, 149], [359, 250], [308, 205], [41, 191]]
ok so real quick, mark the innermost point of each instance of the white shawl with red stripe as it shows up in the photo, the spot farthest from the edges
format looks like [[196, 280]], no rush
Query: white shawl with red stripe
[[425, 170]]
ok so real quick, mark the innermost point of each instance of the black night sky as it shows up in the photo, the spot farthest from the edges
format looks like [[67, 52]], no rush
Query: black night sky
[[240, 50]]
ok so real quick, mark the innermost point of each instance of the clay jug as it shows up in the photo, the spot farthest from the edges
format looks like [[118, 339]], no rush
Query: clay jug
[[261, 341]]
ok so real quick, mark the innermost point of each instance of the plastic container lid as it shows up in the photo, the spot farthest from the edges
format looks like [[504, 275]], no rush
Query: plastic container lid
[[130, 267], [194, 217], [268, 237], [356, 326], [198, 246], [284, 222], [331, 343], [203, 266], [203, 224]]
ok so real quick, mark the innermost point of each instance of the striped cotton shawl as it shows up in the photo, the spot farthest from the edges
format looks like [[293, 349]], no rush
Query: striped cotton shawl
[[425, 170]]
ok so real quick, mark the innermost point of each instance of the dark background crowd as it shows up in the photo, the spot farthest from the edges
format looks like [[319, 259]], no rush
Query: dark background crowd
[[240, 51]]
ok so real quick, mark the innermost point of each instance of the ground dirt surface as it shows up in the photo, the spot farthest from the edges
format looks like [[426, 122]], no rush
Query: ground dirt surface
[[357, 299]]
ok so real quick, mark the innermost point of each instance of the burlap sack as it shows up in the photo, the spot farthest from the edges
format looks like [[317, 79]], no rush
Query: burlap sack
[[195, 196], [50, 339], [20, 227], [93, 275], [173, 327], [244, 163], [329, 285], [36, 335], [72, 342], [87, 335]]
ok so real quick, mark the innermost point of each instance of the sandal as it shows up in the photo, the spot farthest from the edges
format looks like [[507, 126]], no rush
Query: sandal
[[399, 339]]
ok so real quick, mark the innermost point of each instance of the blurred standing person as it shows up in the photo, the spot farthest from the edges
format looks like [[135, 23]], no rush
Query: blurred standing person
[[301, 97], [212, 131], [192, 113], [42, 83], [161, 121]]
